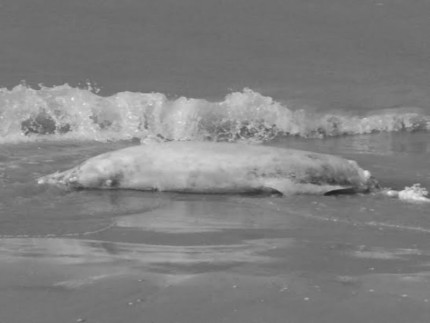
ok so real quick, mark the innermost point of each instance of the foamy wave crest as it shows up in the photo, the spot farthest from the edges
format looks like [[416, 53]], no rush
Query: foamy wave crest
[[64, 112]]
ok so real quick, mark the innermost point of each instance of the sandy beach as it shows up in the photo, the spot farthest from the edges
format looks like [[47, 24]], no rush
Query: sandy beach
[[219, 259]]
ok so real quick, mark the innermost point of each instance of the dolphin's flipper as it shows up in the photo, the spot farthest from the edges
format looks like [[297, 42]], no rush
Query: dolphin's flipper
[[341, 191], [288, 187]]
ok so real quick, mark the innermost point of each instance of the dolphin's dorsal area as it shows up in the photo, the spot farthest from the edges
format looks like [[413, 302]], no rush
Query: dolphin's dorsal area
[[208, 167]]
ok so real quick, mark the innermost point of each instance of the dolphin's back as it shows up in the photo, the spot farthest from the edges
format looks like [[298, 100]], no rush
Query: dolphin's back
[[206, 167]]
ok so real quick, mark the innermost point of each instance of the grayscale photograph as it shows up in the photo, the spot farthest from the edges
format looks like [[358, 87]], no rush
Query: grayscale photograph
[[214, 161]]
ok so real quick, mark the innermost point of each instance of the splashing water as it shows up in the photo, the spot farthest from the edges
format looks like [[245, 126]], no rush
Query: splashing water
[[414, 193], [64, 112]]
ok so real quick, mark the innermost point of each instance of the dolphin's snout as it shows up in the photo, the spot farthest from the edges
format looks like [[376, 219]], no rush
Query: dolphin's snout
[[63, 179], [49, 179]]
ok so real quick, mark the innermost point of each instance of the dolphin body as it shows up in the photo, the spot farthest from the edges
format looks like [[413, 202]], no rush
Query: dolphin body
[[207, 167]]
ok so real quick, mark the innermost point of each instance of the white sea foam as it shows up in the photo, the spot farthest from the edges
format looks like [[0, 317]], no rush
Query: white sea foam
[[64, 112], [414, 193]]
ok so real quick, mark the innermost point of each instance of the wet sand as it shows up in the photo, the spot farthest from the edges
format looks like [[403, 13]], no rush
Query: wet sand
[[219, 259]]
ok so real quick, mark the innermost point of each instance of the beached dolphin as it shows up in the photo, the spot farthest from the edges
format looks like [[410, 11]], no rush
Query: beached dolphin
[[207, 167]]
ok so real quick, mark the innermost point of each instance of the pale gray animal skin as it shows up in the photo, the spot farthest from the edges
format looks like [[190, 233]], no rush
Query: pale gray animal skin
[[207, 167]]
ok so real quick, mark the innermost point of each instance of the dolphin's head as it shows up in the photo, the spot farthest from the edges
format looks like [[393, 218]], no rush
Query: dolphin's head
[[61, 179], [94, 173]]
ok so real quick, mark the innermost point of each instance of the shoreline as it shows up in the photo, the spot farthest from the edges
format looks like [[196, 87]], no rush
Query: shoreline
[[249, 267]]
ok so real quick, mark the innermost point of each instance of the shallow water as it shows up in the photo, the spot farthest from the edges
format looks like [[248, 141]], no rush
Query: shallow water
[[35, 210], [116, 255]]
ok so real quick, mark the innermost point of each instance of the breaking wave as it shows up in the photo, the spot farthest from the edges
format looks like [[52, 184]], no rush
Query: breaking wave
[[64, 112]]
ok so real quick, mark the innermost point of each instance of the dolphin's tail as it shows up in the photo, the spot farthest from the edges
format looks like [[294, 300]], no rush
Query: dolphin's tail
[[371, 184]]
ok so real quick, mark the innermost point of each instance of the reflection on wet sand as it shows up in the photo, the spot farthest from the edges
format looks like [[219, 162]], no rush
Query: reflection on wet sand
[[90, 261], [158, 240], [77, 251], [244, 259], [164, 235], [173, 259], [205, 216]]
